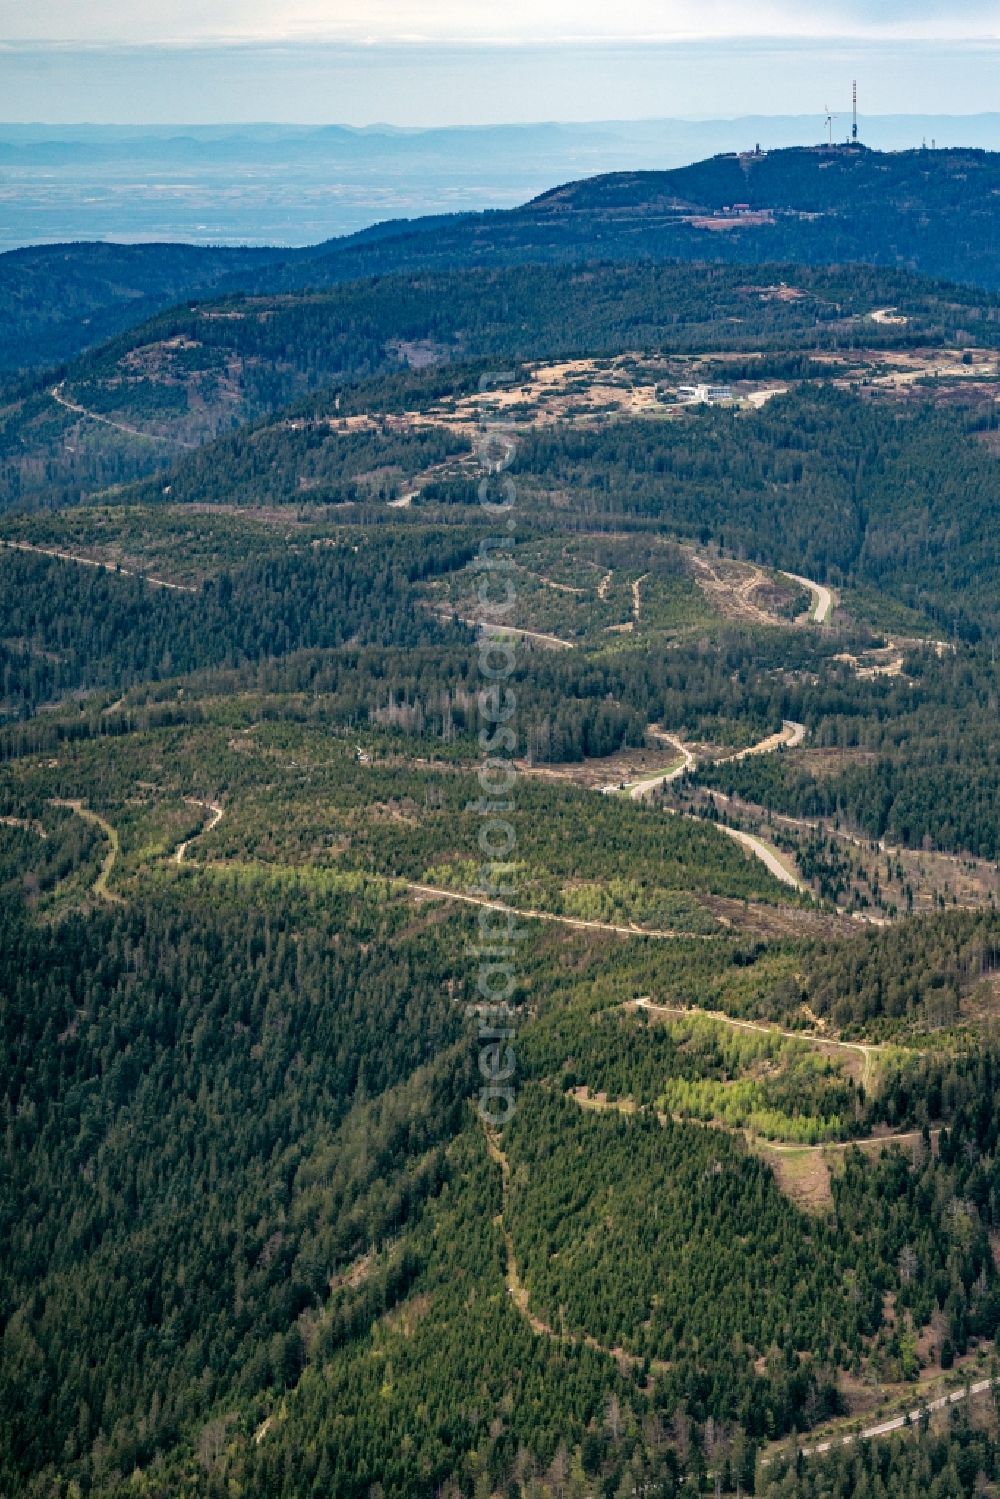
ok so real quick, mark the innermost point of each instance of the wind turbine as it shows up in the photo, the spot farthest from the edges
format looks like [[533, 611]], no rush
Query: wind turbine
[[829, 124]]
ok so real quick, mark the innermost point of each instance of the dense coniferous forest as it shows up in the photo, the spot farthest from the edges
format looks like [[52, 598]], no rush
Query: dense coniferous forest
[[736, 851], [930, 210], [202, 369], [821, 482], [954, 1463], [84, 628]]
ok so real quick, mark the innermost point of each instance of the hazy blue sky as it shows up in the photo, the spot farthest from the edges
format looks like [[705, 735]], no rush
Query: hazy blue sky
[[464, 61], [383, 21]]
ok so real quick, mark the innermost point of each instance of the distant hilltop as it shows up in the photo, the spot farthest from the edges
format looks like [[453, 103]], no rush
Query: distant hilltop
[[933, 212], [820, 179]]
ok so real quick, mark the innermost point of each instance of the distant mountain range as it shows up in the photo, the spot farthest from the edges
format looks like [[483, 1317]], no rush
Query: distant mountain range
[[936, 212], [296, 186]]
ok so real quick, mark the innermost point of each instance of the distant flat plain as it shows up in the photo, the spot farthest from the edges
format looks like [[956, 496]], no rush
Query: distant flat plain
[[296, 185]]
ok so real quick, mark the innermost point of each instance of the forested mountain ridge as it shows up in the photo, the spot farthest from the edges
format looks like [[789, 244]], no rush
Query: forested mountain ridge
[[934, 212], [133, 406], [56, 300], [812, 179], [292, 1294], [258, 1238]]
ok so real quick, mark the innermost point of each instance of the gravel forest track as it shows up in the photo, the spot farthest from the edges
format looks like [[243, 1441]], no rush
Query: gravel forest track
[[100, 887], [95, 416], [822, 596], [217, 814], [555, 642], [108, 567], [767, 855], [518, 1291], [867, 1050], [637, 598], [790, 736], [736, 595], [756, 1142], [438, 892], [907, 1418]]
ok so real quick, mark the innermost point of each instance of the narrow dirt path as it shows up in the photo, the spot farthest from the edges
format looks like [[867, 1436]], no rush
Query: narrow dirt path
[[24, 825], [551, 583], [518, 1291], [867, 1050], [109, 567], [94, 416], [217, 814], [436, 892], [555, 641], [637, 597], [731, 597], [100, 886]]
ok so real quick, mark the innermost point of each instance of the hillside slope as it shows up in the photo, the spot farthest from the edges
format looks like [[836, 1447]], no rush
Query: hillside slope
[[132, 407], [934, 212], [56, 300]]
